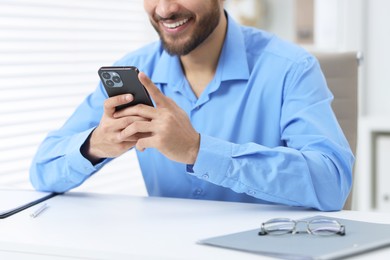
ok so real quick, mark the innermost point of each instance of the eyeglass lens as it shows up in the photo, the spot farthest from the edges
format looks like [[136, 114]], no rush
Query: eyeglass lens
[[324, 227], [278, 226]]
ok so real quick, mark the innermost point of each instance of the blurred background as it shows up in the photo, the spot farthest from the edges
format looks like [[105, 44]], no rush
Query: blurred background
[[50, 52]]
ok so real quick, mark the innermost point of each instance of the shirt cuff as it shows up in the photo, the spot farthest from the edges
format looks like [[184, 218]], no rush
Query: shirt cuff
[[213, 160], [77, 161], [190, 168]]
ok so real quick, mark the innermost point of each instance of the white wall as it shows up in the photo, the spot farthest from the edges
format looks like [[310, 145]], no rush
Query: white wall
[[375, 106], [276, 16], [280, 18], [360, 25], [377, 58]]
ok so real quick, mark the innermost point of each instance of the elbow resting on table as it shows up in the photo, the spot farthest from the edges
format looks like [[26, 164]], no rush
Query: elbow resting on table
[[332, 196], [42, 180]]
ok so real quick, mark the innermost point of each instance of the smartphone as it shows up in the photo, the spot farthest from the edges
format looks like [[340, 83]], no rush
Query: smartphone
[[124, 80]]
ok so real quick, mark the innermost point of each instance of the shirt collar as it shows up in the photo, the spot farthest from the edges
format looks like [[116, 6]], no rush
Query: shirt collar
[[232, 65], [233, 60]]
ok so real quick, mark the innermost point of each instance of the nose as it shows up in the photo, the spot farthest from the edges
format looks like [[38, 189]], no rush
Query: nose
[[165, 8]]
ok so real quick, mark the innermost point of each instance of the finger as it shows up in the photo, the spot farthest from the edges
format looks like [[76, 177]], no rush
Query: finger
[[154, 92], [145, 143], [140, 110], [124, 122], [135, 128], [111, 103], [131, 112], [134, 138]]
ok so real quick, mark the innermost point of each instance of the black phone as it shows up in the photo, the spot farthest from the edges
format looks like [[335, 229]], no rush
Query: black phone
[[120, 80]]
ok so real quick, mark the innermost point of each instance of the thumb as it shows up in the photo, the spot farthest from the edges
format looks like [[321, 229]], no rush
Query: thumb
[[159, 98]]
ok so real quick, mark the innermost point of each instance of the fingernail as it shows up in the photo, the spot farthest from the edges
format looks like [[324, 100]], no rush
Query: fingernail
[[142, 75], [128, 97]]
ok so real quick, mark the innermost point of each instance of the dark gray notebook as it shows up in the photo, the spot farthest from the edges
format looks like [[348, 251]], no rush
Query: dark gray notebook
[[14, 201], [360, 237]]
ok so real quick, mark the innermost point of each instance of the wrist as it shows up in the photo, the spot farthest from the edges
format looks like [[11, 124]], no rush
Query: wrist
[[87, 152], [193, 154]]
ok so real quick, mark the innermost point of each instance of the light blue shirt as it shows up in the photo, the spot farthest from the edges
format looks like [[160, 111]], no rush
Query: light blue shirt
[[268, 133]]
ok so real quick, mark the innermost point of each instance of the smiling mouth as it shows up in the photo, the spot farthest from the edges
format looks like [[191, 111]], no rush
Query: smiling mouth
[[175, 24]]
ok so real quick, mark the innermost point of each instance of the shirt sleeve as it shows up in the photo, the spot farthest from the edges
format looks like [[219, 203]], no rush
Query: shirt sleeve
[[312, 169], [58, 165]]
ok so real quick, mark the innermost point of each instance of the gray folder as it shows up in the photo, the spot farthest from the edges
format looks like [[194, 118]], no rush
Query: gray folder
[[360, 237], [14, 201]]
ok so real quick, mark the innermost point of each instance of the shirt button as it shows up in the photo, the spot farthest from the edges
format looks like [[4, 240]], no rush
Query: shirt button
[[251, 192], [198, 192], [205, 176]]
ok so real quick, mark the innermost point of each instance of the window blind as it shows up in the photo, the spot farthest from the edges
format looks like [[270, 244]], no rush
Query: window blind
[[50, 52]]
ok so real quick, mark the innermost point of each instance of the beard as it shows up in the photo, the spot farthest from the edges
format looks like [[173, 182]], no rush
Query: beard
[[204, 26]]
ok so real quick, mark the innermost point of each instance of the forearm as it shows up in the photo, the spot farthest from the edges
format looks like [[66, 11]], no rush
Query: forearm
[[59, 165], [310, 178]]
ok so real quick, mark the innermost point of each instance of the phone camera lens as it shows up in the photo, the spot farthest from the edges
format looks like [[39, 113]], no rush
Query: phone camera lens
[[106, 75], [110, 83], [116, 79]]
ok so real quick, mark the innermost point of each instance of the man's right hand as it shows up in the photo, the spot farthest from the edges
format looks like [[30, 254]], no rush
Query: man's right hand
[[105, 142]]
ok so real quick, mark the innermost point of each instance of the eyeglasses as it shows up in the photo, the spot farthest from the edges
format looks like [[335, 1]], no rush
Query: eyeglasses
[[318, 226]]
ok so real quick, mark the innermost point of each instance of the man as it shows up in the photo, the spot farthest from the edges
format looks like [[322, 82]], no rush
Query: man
[[239, 115]]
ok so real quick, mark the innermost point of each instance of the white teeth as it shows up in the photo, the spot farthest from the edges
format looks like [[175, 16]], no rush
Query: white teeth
[[177, 24]]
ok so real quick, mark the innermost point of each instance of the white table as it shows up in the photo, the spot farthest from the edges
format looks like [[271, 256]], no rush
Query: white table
[[97, 226]]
